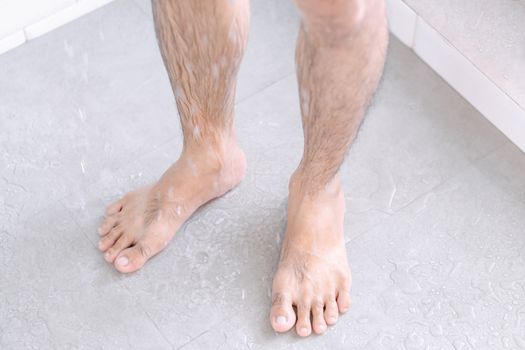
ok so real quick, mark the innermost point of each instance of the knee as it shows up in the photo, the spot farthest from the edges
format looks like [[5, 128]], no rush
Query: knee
[[338, 17]]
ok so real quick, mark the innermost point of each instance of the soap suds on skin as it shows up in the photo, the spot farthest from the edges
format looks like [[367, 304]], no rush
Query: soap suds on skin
[[196, 133], [215, 71]]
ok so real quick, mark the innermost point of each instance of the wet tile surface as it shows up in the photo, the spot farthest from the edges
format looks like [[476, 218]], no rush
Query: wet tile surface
[[57, 293], [490, 33], [435, 202]]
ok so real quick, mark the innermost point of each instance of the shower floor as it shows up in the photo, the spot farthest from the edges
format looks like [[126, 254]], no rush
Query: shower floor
[[435, 201]]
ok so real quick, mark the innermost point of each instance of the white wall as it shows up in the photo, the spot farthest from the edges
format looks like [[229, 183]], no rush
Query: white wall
[[22, 20], [459, 71]]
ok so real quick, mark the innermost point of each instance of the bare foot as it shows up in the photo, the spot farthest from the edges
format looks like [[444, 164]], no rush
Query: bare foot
[[313, 273], [141, 224]]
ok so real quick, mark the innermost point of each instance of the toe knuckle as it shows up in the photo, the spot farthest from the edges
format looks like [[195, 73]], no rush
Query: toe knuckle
[[304, 304], [345, 284], [279, 299], [116, 230], [307, 289], [317, 303], [346, 277], [331, 303], [144, 250], [280, 278], [330, 296]]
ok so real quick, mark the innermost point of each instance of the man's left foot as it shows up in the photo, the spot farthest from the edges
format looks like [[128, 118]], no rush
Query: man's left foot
[[313, 273]]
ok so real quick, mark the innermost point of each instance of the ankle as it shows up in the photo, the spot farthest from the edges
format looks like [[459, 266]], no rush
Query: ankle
[[303, 185], [214, 154]]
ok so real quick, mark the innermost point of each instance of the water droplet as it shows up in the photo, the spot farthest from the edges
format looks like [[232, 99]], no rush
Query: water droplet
[[215, 71], [69, 49], [81, 114], [402, 278], [363, 320], [436, 330], [414, 341], [202, 257]]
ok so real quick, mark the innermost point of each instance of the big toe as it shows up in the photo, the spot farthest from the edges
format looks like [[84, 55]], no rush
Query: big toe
[[133, 258], [129, 260], [282, 315]]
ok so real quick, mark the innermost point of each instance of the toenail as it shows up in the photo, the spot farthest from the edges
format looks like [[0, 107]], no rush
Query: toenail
[[304, 331], [281, 320], [333, 318], [123, 261], [321, 327], [99, 230], [100, 244]]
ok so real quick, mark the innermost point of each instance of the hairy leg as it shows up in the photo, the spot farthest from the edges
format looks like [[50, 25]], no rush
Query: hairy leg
[[202, 43], [340, 57]]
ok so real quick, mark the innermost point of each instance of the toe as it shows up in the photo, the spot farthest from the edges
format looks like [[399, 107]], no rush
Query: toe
[[318, 322], [114, 207], [331, 311], [303, 326], [343, 300], [122, 243], [106, 226], [109, 239], [129, 260], [282, 316], [134, 258]]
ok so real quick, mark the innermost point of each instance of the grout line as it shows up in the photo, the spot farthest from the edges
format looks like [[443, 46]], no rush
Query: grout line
[[193, 339], [263, 88], [148, 316], [469, 164], [489, 153], [118, 281]]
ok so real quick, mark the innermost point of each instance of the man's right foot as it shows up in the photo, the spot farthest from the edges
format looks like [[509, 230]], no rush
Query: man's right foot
[[141, 224]]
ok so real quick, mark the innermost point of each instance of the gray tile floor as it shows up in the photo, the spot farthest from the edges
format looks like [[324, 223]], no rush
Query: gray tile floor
[[435, 198]]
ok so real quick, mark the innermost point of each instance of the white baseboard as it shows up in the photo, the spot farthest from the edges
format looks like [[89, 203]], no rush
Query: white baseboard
[[457, 70], [62, 17], [11, 41], [402, 21], [47, 24]]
